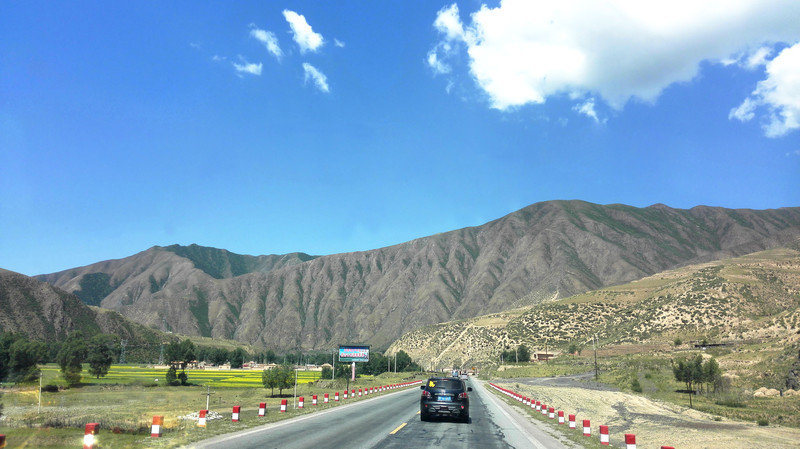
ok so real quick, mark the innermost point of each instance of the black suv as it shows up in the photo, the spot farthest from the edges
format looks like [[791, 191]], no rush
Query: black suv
[[444, 396]]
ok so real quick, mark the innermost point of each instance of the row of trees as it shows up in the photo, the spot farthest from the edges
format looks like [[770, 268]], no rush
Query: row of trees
[[519, 354], [695, 374], [20, 356]]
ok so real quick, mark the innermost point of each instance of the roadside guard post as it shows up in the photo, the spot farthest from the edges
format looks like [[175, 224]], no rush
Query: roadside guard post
[[587, 428], [572, 424], [336, 397], [630, 441], [314, 400], [561, 416], [90, 435], [283, 405], [326, 398], [235, 414], [301, 402], [262, 409], [604, 439], [155, 430], [201, 418]]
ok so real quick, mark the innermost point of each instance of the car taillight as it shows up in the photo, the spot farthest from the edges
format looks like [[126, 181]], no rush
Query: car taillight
[[462, 395], [426, 394]]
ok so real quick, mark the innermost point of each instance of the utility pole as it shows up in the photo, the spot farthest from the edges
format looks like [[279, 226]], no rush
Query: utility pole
[[594, 345], [208, 395], [333, 365], [122, 345], [161, 356]]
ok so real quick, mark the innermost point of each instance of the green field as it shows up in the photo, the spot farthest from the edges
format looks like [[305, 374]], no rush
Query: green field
[[125, 401], [138, 375]]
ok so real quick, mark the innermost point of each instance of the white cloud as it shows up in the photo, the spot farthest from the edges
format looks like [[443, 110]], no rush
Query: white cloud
[[247, 67], [587, 109], [523, 52], [303, 35], [319, 79], [338, 43], [269, 40], [758, 58], [778, 95], [436, 64]]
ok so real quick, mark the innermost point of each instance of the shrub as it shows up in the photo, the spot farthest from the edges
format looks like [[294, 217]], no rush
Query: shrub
[[636, 386], [763, 422], [50, 388]]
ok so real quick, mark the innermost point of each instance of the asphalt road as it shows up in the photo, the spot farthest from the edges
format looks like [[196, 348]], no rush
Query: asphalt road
[[392, 421]]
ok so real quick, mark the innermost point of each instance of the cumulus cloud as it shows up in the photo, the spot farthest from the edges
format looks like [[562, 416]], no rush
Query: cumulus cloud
[[338, 43], [319, 78], [247, 67], [302, 33], [269, 40], [778, 96], [523, 52]]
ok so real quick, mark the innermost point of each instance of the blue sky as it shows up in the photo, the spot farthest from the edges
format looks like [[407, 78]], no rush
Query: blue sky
[[328, 127]]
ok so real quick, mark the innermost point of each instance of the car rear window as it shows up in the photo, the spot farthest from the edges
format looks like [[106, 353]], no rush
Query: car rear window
[[448, 384]]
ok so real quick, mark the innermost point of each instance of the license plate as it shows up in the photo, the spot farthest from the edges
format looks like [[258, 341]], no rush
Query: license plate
[[444, 399]]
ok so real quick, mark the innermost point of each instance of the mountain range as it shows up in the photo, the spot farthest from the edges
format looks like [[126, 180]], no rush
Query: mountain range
[[536, 255]]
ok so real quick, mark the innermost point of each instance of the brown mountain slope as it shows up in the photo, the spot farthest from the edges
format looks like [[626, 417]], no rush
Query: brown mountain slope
[[544, 251], [44, 312], [753, 299]]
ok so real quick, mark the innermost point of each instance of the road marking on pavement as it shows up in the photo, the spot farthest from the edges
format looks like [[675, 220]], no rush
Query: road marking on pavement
[[398, 428]]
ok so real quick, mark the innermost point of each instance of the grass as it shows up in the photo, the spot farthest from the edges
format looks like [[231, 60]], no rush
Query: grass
[[125, 401]]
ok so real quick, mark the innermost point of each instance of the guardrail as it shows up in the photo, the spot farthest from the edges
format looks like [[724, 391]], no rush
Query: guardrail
[[204, 417], [550, 412]]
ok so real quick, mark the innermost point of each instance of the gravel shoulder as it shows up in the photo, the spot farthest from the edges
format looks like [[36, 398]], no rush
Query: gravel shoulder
[[654, 423]]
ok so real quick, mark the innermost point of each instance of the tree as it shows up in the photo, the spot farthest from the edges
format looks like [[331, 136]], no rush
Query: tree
[[712, 374], [270, 380], [100, 355], [218, 356], [690, 373], [172, 377], [238, 357], [404, 362], [284, 377], [23, 357], [71, 356], [183, 378], [180, 353], [573, 349], [523, 354], [327, 372]]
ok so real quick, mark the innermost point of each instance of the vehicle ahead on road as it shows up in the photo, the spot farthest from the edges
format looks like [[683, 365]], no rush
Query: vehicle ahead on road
[[444, 396]]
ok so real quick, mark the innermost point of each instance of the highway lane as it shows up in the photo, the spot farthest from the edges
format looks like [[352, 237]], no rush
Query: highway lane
[[392, 421]]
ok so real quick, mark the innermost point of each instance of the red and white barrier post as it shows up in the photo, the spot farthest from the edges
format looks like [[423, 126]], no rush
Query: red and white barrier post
[[551, 413], [630, 441], [336, 397], [283, 405], [604, 435], [301, 402], [587, 428], [235, 414], [544, 409], [353, 393], [572, 424], [155, 429], [262, 409], [325, 399], [90, 435], [662, 447], [561, 416], [538, 405], [201, 418], [314, 400], [345, 394], [359, 392]]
